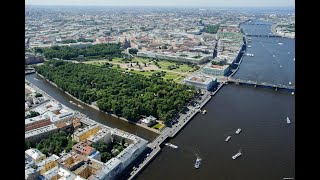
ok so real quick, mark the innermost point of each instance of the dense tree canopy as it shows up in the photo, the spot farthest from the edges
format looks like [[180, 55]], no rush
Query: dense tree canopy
[[213, 29], [125, 94], [67, 52], [32, 114], [54, 144]]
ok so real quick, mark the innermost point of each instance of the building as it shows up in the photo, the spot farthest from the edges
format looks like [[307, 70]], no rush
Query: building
[[34, 155], [48, 163], [37, 122], [104, 134], [71, 161], [201, 82], [89, 169], [59, 173], [149, 121], [83, 133], [35, 135], [215, 70], [32, 59], [186, 57], [84, 148]]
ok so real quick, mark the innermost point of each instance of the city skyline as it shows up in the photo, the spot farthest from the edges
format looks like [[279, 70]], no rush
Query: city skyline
[[199, 3]]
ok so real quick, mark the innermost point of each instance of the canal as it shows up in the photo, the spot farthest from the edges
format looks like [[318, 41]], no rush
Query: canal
[[99, 116]]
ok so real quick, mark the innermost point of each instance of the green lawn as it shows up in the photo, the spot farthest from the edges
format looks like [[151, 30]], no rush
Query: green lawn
[[141, 60], [164, 64], [157, 126]]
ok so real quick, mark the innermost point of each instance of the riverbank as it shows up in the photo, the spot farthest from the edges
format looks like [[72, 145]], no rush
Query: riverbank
[[284, 35], [96, 108]]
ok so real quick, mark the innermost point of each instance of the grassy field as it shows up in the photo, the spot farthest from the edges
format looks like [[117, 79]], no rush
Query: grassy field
[[174, 74], [157, 126]]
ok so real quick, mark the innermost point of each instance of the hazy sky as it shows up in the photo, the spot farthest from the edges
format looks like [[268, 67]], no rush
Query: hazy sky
[[199, 3]]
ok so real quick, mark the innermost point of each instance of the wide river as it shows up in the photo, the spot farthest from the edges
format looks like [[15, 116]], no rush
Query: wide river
[[266, 141]]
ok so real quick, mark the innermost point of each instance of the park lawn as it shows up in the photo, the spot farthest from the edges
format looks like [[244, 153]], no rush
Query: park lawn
[[183, 68], [158, 126], [171, 75], [146, 73], [116, 59], [164, 64], [179, 79], [141, 60]]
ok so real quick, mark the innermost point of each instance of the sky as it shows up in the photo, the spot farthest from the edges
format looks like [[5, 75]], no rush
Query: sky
[[197, 3]]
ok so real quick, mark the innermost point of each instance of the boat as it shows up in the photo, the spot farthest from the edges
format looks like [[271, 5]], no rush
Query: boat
[[197, 164], [273, 55], [80, 106], [290, 83], [171, 145], [238, 131], [288, 120], [249, 46], [204, 111], [294, 59], [280, 43], [237, 155], [228, 138], [292, 93], [36, 79], [280, 66]]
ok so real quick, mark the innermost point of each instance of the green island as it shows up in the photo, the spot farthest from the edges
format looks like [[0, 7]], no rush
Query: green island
[[125, 94]]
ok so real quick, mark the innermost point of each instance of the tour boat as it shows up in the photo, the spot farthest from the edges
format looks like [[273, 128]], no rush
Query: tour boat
[[171, 145], [288, 120], [238, 131], [228, 138], [204, 111], [197, 164], [237, 155]]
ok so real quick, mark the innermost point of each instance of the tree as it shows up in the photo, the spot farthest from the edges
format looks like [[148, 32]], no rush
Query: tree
[[133, 51]]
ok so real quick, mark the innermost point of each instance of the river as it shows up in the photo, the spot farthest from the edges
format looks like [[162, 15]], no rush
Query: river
[[266, 141]]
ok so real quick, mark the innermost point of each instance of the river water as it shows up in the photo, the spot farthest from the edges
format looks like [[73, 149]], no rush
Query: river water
[[266, 141]]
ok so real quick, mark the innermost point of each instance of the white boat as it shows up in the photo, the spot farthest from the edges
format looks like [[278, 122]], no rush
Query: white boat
[[237, 155], [280, 66], [197, 164], [228, 138], [80, 106], [288, 120], [290, 83], [171, 145], [292, 93], [294, 59], [36, 79], [249, 46], [238, 131], [273, 55], [204, 111], [280, 43]]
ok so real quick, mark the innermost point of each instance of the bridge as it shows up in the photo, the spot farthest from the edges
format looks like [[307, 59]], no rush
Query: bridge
[[263, 84], [260, 35]]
